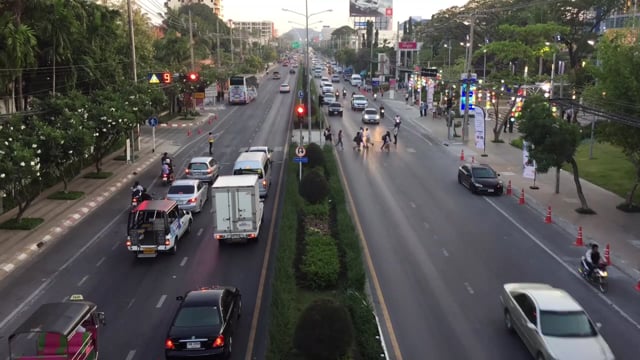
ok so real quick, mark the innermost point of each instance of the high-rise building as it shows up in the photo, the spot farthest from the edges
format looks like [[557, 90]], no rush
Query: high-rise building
[[215, 5], [263, 31]]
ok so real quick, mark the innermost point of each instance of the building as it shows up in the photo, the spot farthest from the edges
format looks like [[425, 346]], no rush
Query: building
[[215, 5], [262, 31], [325, 33]]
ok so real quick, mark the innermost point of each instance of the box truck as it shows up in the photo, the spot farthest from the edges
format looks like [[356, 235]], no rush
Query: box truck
[[237, 209]]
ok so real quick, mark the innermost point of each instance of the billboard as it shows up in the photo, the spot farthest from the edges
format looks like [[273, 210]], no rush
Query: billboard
[[371, 8], [379, 22]]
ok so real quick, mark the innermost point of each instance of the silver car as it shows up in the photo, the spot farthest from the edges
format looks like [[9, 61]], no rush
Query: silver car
[[551, 323], [190, 194], [370, 116], [358, 102], [203, 168]]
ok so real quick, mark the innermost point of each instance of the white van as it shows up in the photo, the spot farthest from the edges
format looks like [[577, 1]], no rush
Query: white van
[[255, 163], [356, 80]]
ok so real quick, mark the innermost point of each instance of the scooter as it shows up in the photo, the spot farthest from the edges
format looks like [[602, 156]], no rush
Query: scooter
[[599, 277], [167, 179], [382, 112]]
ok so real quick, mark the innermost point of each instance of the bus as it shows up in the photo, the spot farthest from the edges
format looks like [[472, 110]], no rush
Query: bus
[[243, 89]]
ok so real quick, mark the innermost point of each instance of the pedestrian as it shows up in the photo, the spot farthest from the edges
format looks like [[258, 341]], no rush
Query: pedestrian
[[329, 138], [406, 98], [210, 140], [367, 138], [386, 140], [357, 140], [339, 142], [395, 135]]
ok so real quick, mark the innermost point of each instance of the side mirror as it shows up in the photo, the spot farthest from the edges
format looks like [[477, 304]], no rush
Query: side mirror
[[101, 318]]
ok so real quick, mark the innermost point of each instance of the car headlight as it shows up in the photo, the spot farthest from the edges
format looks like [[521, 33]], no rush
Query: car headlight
[[477, 185]]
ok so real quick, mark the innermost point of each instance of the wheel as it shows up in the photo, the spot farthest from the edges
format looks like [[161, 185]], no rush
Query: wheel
[[459, 179], [603, 286], [174, 249], [508, 321], [189, 227]]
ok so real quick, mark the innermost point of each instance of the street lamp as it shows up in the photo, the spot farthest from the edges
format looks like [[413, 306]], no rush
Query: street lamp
[[306, 55]]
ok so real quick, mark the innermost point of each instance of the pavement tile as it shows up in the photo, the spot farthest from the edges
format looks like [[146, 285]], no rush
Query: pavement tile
[[609, 226]]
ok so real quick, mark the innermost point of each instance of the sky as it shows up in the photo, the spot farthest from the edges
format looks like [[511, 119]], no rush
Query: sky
[[258, 10]]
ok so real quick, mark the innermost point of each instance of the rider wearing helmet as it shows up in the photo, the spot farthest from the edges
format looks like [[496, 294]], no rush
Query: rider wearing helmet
[[592, 258], [137, 187]]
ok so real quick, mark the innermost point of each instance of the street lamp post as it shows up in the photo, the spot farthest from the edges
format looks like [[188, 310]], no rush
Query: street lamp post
[[306, 56], [465, 125]]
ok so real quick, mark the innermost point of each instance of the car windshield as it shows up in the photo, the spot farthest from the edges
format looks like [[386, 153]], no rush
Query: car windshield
[[181, 189], [335, 105], [566, 324], [198, 166], [371, 112], [483, 173], [198, 316], [248, 172]]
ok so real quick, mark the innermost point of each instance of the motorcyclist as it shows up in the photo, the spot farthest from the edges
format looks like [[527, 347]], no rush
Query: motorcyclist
[[165, 156], [396, 121], [337, 95], [344, 93], [592, 259], [381, 110], [137, 189], [375, 96]]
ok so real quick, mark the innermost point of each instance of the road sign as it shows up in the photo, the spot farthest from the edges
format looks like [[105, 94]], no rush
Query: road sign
[[153, 122], [301, 160], [301, 151], [300, 94], [295, 44], [375, 82], [160, 78]]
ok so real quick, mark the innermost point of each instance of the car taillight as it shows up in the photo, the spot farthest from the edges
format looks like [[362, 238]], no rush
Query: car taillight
[[128, 243], [187, 171], [219, 341], [167, 242], [264, 183], [164, 176], [169, 345], [192, 200]]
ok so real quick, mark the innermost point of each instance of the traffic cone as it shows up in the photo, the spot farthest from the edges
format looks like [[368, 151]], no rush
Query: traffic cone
[[579, 241], [199, 131], [216, 116], [189, 131], [521, 200], [607, 255], [473, 159], [509, 191], [638, 286], [547, 219], [462, 155], [210, 117]]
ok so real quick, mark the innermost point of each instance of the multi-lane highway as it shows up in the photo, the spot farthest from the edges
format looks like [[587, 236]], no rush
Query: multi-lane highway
[[440, 255], [138, 295]]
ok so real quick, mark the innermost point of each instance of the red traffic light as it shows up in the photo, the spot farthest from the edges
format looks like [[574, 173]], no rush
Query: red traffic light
[[193, 76], [300, 110]]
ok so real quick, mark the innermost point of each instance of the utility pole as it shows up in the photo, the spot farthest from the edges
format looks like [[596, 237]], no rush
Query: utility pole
[[465, 125], [308, 68], [397, 72], [193, 59]]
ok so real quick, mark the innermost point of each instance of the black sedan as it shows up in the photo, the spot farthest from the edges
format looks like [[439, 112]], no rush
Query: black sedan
[[480, 178], [335, 109], [204, 324]]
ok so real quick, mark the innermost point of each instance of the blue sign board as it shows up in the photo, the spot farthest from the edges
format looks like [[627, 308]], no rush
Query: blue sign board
[[303, 160], [360, 24], [375, 83], [300, 94], [153, 122]]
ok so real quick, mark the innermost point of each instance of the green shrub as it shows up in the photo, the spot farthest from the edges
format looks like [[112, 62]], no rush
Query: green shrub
[[324, 331], [316, 217], [95, 175], [320, 264], [365, 327], [319, 210], [23, 224], [315, 155], [69, 195], [517, 143], [314, 187]]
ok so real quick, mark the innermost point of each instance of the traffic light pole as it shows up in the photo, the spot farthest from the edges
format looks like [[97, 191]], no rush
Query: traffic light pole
[[307, 73]]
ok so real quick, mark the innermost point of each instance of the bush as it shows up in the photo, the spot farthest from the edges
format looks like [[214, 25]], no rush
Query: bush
[[365, 327], [324, 331], [316, 217], [314, 187], [315, 155], [69, 195], [23, 224], [320, 264], [517, 143]]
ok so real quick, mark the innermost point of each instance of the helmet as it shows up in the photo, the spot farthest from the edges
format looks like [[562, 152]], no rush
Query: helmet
[[167, 161]]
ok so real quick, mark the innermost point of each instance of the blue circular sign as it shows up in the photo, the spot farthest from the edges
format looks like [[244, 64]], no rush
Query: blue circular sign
[[153, 122]]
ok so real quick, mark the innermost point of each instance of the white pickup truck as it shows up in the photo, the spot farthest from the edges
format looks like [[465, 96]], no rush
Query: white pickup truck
[[237, 209]]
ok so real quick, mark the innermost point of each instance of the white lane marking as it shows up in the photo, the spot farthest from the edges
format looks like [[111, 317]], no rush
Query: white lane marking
[[200, 231], [115, 246], [469, 289], [22, 256], [76, 216], [566, 266], [444, 251], [102, 259], [31, 335], [411, 150], [8, 267], [184, 261], [130, 355], [413, 205], [131, 303], [83, 280], [161, 301]]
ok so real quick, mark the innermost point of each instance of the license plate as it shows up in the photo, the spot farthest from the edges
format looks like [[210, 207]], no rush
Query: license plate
[[148, 250], [193, 345], [489, 190]]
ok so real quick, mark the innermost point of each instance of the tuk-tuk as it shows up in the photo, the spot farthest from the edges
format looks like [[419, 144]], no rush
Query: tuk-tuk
[[59, 331]]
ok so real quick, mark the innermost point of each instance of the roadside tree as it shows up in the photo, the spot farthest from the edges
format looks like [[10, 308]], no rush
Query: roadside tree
[[108, 123], [552, 142]]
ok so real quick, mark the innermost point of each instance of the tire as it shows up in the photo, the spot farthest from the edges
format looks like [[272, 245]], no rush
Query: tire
[[189, 227], [174, 249], [603, 286], [508, 321]]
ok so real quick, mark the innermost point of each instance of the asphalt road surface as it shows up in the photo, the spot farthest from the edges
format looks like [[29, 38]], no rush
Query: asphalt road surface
[[138, 295], [441, 255]]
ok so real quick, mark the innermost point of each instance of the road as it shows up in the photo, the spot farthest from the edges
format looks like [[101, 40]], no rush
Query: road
[[440, 255], [138, 295]]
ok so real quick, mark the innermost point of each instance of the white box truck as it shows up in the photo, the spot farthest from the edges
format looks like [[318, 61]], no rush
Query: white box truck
[[237, 209]]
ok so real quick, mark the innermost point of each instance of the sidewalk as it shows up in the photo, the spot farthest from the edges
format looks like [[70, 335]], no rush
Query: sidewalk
[[17, 246], [609, 226]]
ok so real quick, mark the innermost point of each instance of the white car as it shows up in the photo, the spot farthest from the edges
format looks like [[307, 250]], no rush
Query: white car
[[285, 88], [263, 149], [190, 194], [359, 102], [367, 5], [328, 98], [551, 323]]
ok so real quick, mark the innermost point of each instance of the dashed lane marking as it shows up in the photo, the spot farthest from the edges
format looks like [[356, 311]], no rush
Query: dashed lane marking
[[444, 251], [83, 280], [115, 246], [130, 355], [184, 261], [426, 225], [130, 304], [413, 205], [22, 256], [102, 259], [200, 231], [469, 289], [161, 301], [411, 150]]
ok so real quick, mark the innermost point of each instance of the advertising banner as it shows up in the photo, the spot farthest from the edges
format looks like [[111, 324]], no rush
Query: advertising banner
[[407, 45], [528, 165], [480, 123], [370, 8], [431, 88]]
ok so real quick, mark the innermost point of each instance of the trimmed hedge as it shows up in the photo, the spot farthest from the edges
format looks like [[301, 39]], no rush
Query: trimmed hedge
[[314, 187], [365, 326], [320, 263]]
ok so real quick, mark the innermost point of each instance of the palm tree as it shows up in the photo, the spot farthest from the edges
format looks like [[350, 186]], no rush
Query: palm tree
[[20, 48]]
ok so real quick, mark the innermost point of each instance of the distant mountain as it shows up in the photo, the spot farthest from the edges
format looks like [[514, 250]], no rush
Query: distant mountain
[[300, 34]]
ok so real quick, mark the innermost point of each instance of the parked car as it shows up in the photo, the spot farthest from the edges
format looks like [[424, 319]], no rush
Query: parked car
[[359, 102], [551, 323], [480, 178], [335, 108], [370, 116], [190, 194], [205, 323], [203, 168], [285, 88]]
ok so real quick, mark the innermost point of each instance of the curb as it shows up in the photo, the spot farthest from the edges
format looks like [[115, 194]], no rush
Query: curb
[[181, 123], [77, 216]]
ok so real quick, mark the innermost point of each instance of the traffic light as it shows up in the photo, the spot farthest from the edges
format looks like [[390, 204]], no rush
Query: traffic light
[[300, 111], [193, 77]]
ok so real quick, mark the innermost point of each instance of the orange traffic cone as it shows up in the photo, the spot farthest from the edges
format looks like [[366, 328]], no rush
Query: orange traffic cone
[[579, 241], [638, 285], [462, 155], [607, 255], [509, 191], [547, 219], [521, 200]]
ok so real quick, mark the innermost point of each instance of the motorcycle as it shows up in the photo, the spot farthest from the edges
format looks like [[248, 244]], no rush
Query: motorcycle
[[136, 198], [382, 112], [167, 179], [337, 95], [599, 277]]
